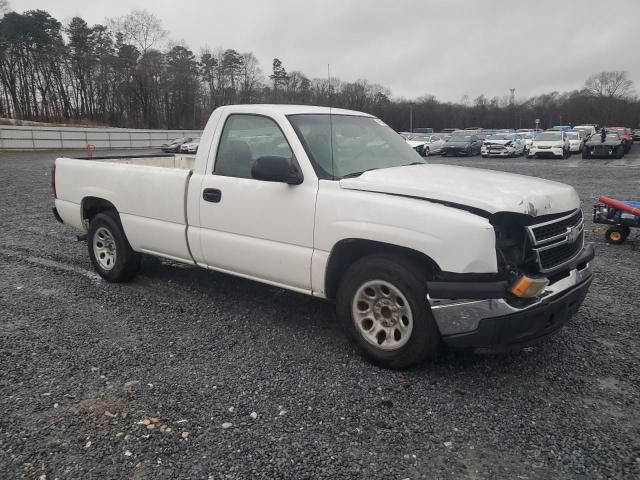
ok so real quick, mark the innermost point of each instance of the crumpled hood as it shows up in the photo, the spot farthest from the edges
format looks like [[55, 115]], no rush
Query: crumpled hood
[[486, 190]]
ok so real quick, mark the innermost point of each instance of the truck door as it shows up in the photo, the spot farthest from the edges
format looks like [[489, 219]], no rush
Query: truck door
[[258, 229]]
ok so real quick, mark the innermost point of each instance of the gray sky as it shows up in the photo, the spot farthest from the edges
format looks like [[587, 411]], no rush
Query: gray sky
[[444, 48]]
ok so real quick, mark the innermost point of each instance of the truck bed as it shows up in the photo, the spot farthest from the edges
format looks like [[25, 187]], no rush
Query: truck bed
[[149, 192]]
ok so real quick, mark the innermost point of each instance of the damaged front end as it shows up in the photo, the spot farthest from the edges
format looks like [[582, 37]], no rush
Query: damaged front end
[[543, 276]]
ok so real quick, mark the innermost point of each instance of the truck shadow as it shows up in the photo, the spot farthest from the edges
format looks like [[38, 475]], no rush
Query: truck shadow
[[312, 321]]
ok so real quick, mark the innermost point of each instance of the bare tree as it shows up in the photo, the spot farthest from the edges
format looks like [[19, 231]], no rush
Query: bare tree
[[609, 84], [140, 28]]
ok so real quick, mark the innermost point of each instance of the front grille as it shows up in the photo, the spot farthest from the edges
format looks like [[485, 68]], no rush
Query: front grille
[[558, 255], [553, 229], [557, 242], [602, 150]]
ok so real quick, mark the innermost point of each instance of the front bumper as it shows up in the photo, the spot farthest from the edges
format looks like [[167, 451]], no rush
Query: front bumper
[[546, 152], [499, 324], [456, 151], [506, 152]]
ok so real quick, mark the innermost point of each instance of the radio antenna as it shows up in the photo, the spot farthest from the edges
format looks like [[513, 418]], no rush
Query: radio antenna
[[333, 170]]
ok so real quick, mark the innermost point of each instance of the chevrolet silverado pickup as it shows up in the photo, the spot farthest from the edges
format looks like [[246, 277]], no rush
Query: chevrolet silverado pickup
[[334, 204]]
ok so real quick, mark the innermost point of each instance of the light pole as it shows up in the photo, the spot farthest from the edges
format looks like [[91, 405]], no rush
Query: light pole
[[411, 117]]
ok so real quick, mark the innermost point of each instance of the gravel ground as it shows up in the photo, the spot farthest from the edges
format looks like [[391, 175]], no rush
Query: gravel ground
[[86, 365]]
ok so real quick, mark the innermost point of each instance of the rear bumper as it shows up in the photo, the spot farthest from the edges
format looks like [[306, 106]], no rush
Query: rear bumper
[[496, 324]]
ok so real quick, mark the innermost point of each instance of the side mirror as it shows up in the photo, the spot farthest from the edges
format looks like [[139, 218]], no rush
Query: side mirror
[[272, 168]]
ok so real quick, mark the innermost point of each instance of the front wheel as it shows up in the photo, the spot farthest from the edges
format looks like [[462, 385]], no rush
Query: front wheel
[[426, 151], [109, 249], [382, 304]]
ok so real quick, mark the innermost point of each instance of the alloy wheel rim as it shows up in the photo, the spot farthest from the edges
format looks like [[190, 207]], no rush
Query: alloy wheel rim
[[382, 315], [104, 248]]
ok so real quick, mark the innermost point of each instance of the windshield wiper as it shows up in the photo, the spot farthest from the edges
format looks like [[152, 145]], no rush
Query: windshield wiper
[[357, 174]]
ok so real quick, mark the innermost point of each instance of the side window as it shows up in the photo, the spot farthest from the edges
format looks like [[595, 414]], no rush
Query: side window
[[246, 138]]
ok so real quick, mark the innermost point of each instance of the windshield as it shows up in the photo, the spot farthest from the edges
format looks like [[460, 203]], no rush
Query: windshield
[[499, 136], [420, 138], [549, 136], [357, 144], [180, 140], [573, 136]]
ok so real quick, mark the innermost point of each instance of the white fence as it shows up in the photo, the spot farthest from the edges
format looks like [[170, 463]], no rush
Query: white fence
[[74, 138]]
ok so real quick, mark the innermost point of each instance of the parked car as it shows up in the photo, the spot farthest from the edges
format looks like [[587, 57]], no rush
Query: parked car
[[636, 134], [462, 143], [503, 145], [589, 129], [576, 141], [190, 147], [174, 145], [528, 138], [562, 128], [423, 130], [426, 145], [550, 143], [625, 135], [610, 146], [413, 254]]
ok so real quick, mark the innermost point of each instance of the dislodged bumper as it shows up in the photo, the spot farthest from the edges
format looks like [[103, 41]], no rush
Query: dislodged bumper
[[501, 324]]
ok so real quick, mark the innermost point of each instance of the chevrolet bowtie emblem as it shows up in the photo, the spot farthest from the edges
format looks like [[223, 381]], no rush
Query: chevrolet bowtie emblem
[[573, 234]]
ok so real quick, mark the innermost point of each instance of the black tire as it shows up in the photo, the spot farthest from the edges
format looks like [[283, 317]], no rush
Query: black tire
[[586, 153], [126, 263], [444, 154], [616, 235], [426, 152], [620, 152], [423, 340]]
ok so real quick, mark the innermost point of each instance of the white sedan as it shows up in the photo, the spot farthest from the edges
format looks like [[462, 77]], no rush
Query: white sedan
[[503, 145], [426, 145], [191, 147], [576, 141]]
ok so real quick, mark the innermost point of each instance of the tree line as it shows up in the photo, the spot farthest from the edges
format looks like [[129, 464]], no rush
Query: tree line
[[125, 73]]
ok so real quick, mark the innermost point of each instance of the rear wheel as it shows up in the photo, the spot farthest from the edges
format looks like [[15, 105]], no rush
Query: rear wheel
[[586, 153], [620, 151], [382, 304], [616, 235], [109, 249]]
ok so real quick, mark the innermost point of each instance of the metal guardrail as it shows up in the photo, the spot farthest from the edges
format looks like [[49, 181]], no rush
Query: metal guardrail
[[76, 138]]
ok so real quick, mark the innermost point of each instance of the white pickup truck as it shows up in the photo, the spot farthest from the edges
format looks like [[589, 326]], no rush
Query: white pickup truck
[[333, 203]]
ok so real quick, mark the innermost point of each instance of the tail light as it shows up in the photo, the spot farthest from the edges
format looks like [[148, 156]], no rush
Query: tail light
[[53, 179]]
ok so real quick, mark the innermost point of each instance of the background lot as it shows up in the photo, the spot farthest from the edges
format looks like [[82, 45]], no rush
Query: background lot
[[206, 348]]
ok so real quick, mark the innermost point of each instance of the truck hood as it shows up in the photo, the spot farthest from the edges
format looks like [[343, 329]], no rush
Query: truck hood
[[486, 190]]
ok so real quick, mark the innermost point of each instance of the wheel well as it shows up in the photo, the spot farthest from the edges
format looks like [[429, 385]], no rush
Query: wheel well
[[91, 206], [346, 252]]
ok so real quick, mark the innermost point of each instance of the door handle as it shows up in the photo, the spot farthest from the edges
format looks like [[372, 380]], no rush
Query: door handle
[[212, 195]]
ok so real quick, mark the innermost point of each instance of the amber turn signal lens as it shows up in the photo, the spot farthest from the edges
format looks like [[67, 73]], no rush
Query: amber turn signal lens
[[528, 287]]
